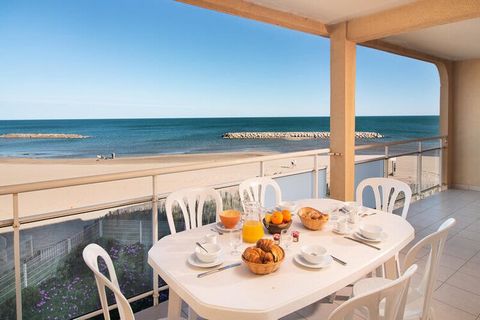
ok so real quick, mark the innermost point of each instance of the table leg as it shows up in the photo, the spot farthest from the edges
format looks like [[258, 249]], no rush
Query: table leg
[[391, 269], [174, 305]]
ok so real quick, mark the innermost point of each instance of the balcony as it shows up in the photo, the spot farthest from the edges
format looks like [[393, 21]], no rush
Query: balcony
[[43, 262]]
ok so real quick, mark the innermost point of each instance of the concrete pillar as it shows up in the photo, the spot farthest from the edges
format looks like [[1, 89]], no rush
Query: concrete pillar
[[342, 113], [445, 70]]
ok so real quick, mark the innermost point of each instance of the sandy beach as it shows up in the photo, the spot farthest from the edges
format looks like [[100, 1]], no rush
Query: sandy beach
[[20, 170]]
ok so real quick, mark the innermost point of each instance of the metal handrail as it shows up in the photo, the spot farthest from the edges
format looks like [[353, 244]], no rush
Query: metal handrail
[[71, 182], [394, 143]]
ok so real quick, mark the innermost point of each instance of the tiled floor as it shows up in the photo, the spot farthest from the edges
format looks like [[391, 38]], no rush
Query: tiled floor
[[457, 293]]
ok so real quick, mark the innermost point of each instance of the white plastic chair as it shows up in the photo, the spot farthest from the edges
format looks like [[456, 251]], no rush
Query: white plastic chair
[[390, 189], [191, 202], [391, 295], [420, 296], [254, 189], [90, 256]]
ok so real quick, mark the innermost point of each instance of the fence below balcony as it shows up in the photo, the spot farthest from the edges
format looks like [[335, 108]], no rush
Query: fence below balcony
[[40, 252]]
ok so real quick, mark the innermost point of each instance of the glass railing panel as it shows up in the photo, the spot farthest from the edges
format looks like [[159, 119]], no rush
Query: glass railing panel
[[364, 170], [404, 168], [7, 275], [403, 148], [294, 187], [431, 168], [56, 283], [51, 200]]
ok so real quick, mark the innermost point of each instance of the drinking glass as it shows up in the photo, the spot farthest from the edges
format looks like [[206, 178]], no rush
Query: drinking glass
[[286, 238], [235, 238]]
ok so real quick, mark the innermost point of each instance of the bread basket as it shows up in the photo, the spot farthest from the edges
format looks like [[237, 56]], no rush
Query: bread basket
[[264, 268], [311, 224]]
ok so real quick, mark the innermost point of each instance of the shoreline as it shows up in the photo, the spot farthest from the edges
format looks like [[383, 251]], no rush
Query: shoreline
[[154, 159]]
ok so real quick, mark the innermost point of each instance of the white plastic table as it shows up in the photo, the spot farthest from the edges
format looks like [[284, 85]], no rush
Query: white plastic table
[[236, 293]]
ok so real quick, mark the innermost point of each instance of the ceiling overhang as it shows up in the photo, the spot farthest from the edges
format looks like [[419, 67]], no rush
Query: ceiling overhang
[[412, 28]]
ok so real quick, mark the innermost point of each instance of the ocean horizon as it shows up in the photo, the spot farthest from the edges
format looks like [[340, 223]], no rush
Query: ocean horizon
[[148, 137]]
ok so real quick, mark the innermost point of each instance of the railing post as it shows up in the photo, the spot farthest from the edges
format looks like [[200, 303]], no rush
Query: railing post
[[440, 182], [69, 245], [315, 176], [385, 163], [262, 169], [155, 235], [419, 169], [16, 254], [140, 233]]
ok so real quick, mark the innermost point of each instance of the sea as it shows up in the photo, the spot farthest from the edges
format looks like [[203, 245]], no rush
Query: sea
[[149, 137]]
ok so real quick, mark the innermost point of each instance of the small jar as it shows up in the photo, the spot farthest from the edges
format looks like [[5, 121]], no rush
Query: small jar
[[295, 236], [276, 238]]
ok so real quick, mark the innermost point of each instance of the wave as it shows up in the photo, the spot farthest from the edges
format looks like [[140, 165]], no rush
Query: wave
[[295, 135], [42, 136]]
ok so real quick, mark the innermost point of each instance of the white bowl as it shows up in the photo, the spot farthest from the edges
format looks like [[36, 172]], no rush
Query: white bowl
[[214, 251], [313, 253], [287, 205], [371, 231]]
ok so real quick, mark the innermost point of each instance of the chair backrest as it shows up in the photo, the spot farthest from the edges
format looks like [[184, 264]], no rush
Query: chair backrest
[[90, 256], [390, 189], [191, 202], [436, 242], [254, 189], [393, 294]]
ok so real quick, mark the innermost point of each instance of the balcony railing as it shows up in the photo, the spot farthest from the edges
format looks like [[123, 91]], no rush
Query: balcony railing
[[36, 276]]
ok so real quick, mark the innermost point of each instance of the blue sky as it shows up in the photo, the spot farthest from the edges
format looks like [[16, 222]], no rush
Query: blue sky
[[160, 58]]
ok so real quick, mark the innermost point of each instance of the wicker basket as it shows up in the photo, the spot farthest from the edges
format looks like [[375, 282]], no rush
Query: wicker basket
[[311, 224], [263, 268]]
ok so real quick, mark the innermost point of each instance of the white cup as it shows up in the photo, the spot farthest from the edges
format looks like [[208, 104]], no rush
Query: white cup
[[210, 238], [341, 225]]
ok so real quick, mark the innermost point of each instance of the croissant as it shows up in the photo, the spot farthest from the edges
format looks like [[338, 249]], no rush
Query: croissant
[[252, 255], [277, 253], [265, 244], [268, 258]]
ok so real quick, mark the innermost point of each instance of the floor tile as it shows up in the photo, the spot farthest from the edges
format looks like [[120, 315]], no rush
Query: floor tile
[[317, 310], [465, 282], [460, 251], [446, 312], [293, 316], [458, 298], [471, 268]]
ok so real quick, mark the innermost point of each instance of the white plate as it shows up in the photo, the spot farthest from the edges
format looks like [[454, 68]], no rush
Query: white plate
[[359, 236], [221, 227], [347, 231], [193, 260], [327, 260]]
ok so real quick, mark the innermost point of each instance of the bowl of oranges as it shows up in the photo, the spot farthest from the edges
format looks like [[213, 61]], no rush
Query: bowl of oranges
[[278, 220]]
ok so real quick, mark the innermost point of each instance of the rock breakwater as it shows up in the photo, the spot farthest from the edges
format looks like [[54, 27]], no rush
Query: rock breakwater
[[42, 136], [295, 135]]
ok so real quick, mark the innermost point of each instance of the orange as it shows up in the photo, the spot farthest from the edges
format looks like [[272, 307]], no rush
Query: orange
[[268, 217], [287, 215], [277, 217]]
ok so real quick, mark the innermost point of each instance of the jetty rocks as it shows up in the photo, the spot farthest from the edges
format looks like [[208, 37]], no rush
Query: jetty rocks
[[42, 136], [295, 135]]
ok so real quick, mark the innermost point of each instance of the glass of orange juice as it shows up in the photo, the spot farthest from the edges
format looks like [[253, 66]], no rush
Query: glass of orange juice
[[252, 229]]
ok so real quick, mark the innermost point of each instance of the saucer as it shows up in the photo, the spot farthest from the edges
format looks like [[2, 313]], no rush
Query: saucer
[[359, 236], [194, 261], [348, 231], [221, 227], [327, 260]]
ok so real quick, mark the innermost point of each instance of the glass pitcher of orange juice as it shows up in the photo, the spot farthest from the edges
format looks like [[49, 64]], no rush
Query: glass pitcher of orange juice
[[252, 229]]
